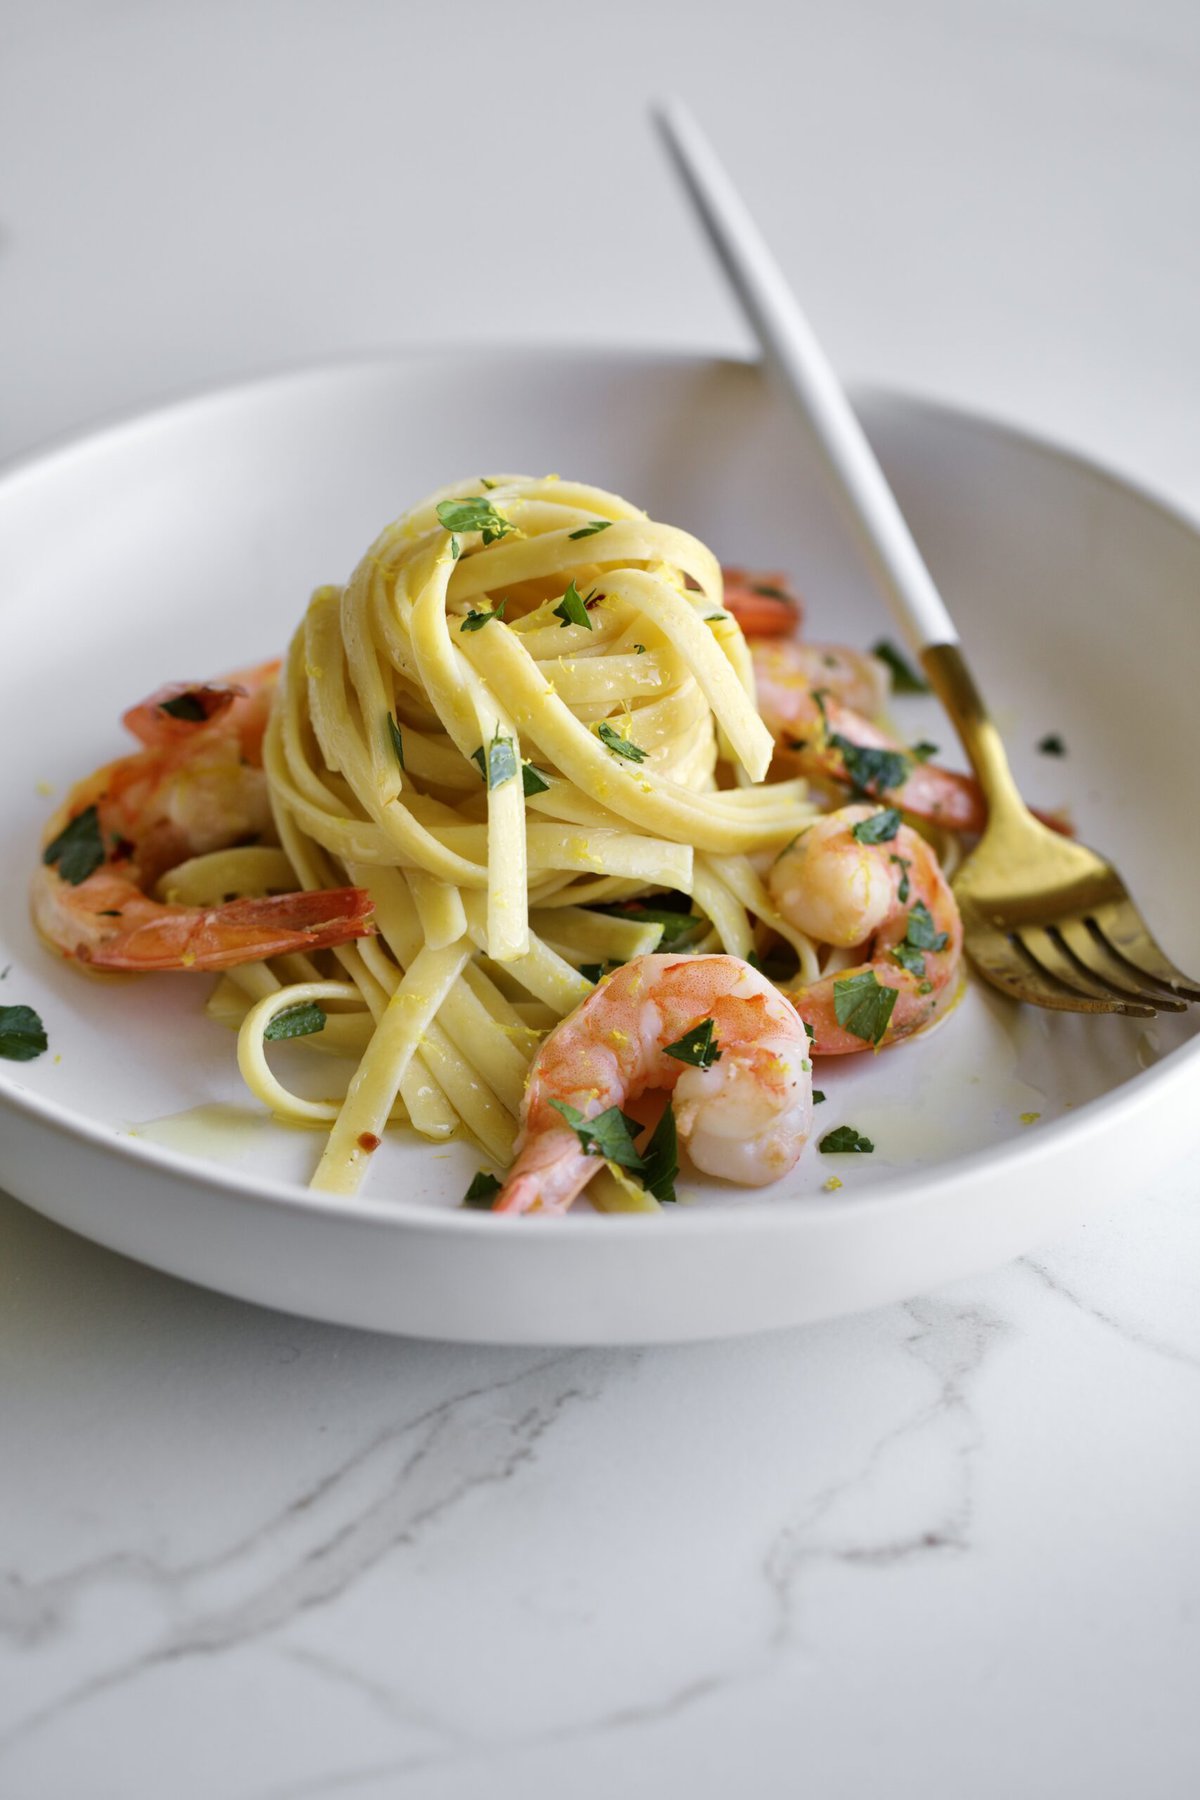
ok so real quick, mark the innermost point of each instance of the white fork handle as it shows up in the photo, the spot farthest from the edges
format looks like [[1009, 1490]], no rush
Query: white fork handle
[[798, 360]]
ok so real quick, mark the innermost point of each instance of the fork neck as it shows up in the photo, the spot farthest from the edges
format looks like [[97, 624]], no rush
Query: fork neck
[[955, 687]]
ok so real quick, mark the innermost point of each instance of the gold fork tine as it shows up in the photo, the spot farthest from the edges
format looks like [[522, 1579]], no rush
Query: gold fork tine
[[1124, 931], [1093, 951], [1000, 960], [1052, 954]]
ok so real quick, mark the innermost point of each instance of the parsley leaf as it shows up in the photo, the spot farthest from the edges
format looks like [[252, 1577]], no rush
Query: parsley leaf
[[678, 927], [610, 1134], [482, 1191], [620, 745], [771, 593], [397, 740], [905, 865], [185, 706], [455, 549], [843, 1138], [818, 1096], [905, 679], [474, 514], [880, 828], [296, 1021], [698, 1047], [909, 959], [1052, 745], [484, 482], [863, 1005], [22, 1034], [808, 1028], [532, 780], [711, 618], [868, 770], [475, 621], [572, 608], [661, 1160], [591, 971], [590, 530], [639, 649], [922, 750], [921, 933], [501, 763], [78, 849]]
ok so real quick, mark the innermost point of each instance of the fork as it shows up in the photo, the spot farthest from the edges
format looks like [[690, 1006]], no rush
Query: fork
[[1045, 919]]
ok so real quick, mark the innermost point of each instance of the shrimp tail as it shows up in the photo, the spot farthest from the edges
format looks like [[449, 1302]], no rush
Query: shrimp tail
[[241, 931], [549, 1173]]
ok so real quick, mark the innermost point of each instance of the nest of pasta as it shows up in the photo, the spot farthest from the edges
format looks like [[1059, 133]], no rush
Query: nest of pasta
[[523, 721]]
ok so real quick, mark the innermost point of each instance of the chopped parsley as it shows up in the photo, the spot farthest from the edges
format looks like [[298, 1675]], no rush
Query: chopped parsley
[[711, 618], [808, 1028], [909, 959], [880, 828], [610, 1134], [660, 1163], [922, 750], [475, 621], [921, 933], [189, 707], [905, 865], [296, 1021], [78, 850], [621, 746], [482, 1191], [532, 780], [397, 740], [678, 927], [572, 608], [474, 514], [455, 549], [501, 761], [905, 679], [771, 593], [591, 529], [818, 1096], [870, 771], [698, 1047], [22, 1034], [1052, 745], [844, 1138], [639, 649], [863, 1005], [591, 971], [484, 482]]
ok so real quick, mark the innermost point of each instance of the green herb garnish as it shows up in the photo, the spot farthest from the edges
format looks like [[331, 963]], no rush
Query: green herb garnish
[[1052, 745], [590, 530], [698, 1047], [660, 1162], [880, 828], [482, 1191], [572, 608], [474, 514], [639, 649], [610, 1134], [620, 745], [772, 593], [532, 780], [678, 927], [843, 1138], [818, 1096], [922, 750], [905, 679], [78, 850], [397, 740], [591, 971], [475, 621], [22, 1034], [501, 763], [905, 865], [808, 1029], [711, 618], [455, 549], [921, 933], [909, 959], [296, 1021], [863, 1005], [868, 770], [185, 706]]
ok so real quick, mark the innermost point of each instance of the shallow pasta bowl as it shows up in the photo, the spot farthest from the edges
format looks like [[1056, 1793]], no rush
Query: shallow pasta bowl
[[187, 542]]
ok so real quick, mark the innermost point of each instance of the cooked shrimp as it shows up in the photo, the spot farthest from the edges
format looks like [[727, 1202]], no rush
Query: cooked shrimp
[[762, 602], [745, 1117], [817, 730], [196, 785], [893, 900]]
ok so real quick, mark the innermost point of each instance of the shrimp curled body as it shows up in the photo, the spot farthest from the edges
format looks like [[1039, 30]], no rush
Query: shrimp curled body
[[746, 1117], [196, 785], [883, 897]]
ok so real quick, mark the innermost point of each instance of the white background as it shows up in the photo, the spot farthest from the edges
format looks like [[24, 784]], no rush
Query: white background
[[946, 1549]]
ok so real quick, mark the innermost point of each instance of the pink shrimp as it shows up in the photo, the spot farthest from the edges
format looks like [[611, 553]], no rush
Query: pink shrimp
[[814, 733], [196, 785], [743, 1106], [762, 602], [890, 898]]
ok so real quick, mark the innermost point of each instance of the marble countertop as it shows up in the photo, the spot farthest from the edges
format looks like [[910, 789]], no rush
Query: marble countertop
[[948, 1548]]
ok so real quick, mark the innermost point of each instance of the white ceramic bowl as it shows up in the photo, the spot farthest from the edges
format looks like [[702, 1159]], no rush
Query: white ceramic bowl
[[187, 542]]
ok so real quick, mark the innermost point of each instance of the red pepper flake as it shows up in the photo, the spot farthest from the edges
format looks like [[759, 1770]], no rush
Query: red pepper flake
[[368, 1141]]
